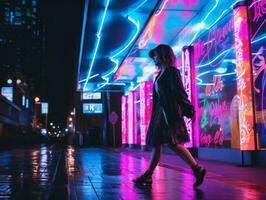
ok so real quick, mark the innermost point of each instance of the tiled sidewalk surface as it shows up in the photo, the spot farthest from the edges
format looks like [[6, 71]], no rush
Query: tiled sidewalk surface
[[251, 174], [108, 174]]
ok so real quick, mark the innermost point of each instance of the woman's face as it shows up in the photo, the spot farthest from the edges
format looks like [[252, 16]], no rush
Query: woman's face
[[156, 60]]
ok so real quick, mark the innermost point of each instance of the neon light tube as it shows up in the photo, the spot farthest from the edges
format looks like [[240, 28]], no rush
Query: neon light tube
[[244, 79]]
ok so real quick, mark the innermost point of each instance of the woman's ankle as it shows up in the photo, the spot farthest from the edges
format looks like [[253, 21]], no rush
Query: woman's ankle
[[148, 172], [195, 166]]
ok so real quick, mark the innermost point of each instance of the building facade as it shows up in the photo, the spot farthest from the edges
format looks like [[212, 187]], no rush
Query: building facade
[[22, 63]]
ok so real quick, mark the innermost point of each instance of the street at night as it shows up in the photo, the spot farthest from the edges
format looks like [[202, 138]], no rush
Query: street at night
[[53, 172], [133, 99]]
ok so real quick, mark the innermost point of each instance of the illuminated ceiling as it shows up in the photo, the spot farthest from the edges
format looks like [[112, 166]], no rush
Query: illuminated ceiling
[[110, 28], [117, 36]]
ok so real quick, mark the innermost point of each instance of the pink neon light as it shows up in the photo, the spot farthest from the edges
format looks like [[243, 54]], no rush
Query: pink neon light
[[259, 13], [189, 3], [153, 29], [124, 120], [194, 97], [218, 86], [187, 85], [244, 81], [136, 134], [259, 9], [132, 118], [145, 109]]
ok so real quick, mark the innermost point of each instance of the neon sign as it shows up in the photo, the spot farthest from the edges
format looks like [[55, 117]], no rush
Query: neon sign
[[187, 85], [244, 81], [216, 85], [92, 108], [217, 42], [132, 118], [145, 109], [44, 108], [124, 115], [90, 95], [7, 92]]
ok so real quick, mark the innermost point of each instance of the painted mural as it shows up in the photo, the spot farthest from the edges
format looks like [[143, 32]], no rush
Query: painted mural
[[257, 12], [214, 58]]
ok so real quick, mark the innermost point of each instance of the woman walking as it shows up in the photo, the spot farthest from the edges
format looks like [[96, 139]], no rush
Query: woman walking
[[167, 126]]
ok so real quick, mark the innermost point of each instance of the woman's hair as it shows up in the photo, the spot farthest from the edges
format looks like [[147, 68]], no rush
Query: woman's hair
[[165, 54]]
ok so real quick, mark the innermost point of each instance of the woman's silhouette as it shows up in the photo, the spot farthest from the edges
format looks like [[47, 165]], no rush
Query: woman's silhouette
[[167, 126]]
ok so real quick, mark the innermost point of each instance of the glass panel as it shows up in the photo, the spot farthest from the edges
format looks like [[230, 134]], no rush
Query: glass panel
[[258, 43], [217, 86]]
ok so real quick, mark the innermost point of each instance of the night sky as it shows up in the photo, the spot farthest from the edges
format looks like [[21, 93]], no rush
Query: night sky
[[64, 25]]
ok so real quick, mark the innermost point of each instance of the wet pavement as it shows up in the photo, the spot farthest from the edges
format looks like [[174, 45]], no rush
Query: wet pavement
[[28, 173], [50, 172]]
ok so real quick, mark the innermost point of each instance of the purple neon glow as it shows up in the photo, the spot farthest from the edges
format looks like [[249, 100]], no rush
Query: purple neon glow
[[194, 98], [124, 120], [132, 118], [145, 109], [186, 78]]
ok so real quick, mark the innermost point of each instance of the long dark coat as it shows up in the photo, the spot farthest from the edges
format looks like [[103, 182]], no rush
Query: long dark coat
[[169, 98]]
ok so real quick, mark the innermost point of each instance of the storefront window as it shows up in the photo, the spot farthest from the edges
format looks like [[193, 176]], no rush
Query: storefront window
[[214, 58]]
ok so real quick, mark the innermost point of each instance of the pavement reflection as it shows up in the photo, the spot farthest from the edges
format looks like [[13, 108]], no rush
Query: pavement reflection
[[49, 172], [27, 173]]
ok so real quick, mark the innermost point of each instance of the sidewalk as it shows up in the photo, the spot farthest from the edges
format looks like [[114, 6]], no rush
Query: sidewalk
[[108, 173], [243, 175]]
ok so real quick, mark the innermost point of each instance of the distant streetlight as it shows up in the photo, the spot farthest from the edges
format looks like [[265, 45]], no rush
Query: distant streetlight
[[51, 124], [70, 119], [18, 81], [9, 81], [37, 99], [72, 113]]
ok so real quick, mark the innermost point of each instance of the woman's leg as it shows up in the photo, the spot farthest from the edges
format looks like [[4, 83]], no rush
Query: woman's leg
[[146, 178], [199, 171], [155, 157], [184, 153]]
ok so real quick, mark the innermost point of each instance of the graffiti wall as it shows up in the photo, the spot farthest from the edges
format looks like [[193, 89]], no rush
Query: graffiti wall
[[257, 13]]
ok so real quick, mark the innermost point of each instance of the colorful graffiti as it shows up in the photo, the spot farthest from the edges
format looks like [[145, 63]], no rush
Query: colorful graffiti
[[257, 15]]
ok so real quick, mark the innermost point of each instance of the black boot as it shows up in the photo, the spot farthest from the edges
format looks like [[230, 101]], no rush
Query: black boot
[[144, 179], [199, 173]]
